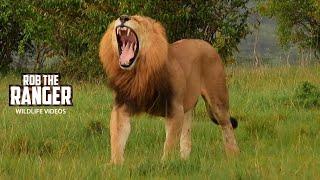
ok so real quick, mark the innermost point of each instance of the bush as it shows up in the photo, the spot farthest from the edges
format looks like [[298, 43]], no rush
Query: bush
[[307, 95], [10, 30], [72, 29], [298, 22]]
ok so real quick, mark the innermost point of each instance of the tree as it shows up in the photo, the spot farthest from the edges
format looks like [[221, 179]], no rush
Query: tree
[[222, 23], [72, 29], [10, 30], [298, 22]]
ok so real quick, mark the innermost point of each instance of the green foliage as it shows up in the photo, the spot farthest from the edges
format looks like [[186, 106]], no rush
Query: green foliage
[[11, 29], [72, 29], [222, 23], [298, 22], [308, 95]]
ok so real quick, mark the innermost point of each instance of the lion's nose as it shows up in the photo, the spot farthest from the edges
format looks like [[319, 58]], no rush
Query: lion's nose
[[124, 18]]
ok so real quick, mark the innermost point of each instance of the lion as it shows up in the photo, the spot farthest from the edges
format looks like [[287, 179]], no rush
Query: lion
[[149, 75]]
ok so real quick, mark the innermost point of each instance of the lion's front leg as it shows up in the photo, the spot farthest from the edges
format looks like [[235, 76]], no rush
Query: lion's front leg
[[173, 127], [185, 138], [119, 133]]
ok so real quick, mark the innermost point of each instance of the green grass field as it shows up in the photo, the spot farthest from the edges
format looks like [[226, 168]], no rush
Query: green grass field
[[278, 138]]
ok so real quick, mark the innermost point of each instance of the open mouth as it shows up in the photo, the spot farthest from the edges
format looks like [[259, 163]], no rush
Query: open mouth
[[128, 46]]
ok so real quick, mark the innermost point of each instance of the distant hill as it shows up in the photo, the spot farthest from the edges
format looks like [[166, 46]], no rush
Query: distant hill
[[266, 47]]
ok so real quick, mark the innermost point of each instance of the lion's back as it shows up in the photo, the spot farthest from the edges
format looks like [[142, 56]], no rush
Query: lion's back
[[194, 54]]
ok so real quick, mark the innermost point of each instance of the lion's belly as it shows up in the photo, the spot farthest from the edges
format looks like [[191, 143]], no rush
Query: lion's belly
[[159, 106], [193, 90], [157, 103]]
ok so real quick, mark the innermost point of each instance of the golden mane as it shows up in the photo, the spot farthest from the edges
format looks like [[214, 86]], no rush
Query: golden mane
[[142, 86]]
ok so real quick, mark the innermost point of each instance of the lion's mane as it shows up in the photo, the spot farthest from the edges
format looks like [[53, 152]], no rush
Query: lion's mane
[[147, 86]]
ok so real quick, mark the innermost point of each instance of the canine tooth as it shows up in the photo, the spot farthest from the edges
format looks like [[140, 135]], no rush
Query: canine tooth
[[135, 46], [123, 45], [128, 32], [118, 31]]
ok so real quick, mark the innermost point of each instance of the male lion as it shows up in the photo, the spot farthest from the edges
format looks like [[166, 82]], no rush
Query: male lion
[[149, 75]]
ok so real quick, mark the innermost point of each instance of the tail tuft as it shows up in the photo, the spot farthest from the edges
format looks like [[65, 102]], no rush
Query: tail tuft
[[234, 122]]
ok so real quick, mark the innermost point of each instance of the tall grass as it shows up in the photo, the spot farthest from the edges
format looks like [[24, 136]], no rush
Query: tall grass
[[278, 137]]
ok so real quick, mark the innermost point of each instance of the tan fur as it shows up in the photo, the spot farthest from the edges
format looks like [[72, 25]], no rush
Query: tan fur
[[185, 138], [119, 133], [166, 80]]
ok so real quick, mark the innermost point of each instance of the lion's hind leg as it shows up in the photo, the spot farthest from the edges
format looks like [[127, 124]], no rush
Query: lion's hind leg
[[219, 113], [185, 138], [233, 120], [173, 127]]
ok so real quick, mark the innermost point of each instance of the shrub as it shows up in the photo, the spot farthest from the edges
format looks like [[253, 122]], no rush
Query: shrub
[[71, 29], [307, 95]]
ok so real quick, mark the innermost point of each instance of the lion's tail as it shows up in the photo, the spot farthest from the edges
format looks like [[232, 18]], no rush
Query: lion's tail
[[233, 120]]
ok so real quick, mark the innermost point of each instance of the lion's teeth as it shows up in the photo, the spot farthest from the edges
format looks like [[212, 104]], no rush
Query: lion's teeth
[[135, 46], [118, 31], [124, 28], [123, 45], [128, 32]]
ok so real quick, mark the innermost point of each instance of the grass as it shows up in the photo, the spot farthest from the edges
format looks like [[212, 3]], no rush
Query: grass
[[278, 138]]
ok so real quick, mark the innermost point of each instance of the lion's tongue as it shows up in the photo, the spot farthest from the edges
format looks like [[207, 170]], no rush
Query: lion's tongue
[[127, 54]]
